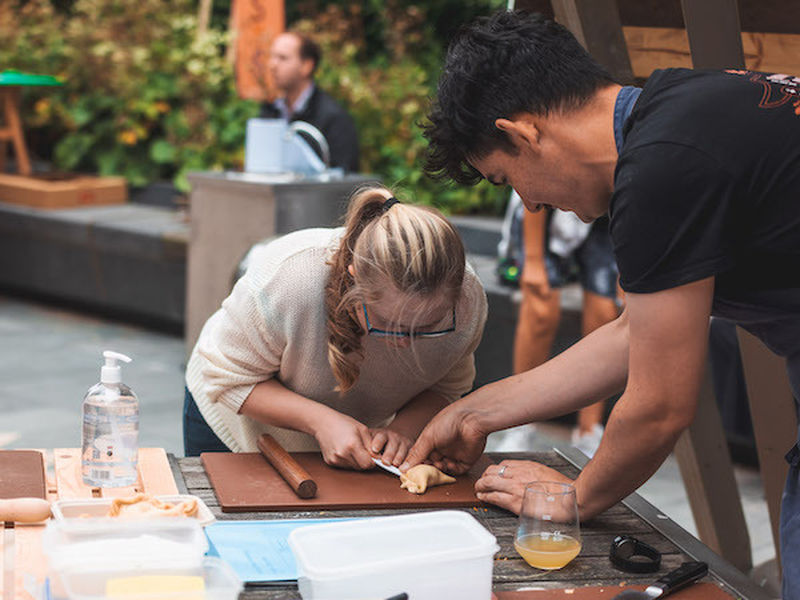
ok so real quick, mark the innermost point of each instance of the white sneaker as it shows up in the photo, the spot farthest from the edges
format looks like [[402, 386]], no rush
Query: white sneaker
[[516, 439], [588, 442]]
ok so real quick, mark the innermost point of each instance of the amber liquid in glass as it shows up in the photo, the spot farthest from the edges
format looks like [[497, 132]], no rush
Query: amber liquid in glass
[[547, 552]]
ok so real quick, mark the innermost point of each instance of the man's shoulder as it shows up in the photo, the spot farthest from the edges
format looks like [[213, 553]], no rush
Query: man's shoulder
[[325, 107]]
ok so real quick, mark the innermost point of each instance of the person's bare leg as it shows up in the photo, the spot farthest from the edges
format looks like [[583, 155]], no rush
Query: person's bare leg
[[540, 310], [597, 311]]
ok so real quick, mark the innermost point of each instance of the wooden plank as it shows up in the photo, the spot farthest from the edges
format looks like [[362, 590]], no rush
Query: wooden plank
[[68, 192], [29, 557], [69, 483], [155, 472], [774, 16], [661, 48], [596, 25], [13, 130], [715, 37], [707, 471], [774, 416]]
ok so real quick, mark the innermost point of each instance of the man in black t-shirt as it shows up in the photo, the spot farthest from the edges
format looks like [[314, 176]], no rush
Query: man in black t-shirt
[[702, 188]]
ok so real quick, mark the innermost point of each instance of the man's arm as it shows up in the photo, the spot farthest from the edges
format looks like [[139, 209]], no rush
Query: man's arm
[[591, 370], [668, 345], [668, 339]]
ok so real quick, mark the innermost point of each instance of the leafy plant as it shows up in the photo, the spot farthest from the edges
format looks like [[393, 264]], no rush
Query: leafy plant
[[146, 99], [143, 97]]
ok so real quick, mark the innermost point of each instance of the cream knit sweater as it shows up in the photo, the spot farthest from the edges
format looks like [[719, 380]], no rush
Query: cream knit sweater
[[274, 325]]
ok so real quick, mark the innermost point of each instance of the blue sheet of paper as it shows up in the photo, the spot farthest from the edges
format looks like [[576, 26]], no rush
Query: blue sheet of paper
[[258, 550]]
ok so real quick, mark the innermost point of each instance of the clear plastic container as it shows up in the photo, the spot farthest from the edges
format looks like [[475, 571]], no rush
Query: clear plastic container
[[429, 556], [219, 582], [99, 549]]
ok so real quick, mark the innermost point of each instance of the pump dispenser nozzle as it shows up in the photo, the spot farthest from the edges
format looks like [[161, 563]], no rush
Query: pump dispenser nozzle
[[111, 371]]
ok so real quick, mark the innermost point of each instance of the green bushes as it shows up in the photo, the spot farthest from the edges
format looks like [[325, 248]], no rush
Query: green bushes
[[144, 98]]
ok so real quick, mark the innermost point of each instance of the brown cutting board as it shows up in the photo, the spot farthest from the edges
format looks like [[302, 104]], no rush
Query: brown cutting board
[[698, 591], [247, 482], [22, 474]]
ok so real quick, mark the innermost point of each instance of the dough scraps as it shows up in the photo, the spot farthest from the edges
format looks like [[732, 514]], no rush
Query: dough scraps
[[418, 479], [145, 505]]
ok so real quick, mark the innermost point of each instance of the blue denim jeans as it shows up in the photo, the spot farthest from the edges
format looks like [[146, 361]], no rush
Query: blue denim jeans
[[197, 435], [790, 529]]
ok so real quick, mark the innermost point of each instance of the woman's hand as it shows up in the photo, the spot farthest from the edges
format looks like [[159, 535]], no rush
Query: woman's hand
[[506, 491], [344, 441], [393, 446]]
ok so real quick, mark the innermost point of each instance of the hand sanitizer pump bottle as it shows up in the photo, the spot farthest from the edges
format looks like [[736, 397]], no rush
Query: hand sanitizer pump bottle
[[110, 450]]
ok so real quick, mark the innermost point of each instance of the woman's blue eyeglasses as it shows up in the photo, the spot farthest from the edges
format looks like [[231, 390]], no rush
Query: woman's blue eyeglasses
[[405, 334]]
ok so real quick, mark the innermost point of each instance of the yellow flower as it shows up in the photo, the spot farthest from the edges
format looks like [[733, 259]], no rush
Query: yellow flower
[[128, 137], [42, 106]]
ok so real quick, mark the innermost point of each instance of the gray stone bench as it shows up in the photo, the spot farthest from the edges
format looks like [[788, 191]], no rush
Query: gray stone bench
[[130, 261]]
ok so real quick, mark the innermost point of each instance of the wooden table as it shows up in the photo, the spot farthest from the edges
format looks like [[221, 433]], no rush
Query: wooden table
[[634, 516], [63, 472]]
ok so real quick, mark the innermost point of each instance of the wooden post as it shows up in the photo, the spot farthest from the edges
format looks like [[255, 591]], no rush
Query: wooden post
[[204, 17], [13, 129], [774, 414], [705, 464], [256, 23], [715, 37], [597, 26], [702, 452]]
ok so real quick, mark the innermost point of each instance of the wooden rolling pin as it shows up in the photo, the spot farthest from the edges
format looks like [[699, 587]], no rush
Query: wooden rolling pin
[[24, 510], [295, 475]]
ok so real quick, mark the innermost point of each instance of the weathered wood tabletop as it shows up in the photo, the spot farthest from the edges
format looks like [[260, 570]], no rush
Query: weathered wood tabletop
[[592, 567]]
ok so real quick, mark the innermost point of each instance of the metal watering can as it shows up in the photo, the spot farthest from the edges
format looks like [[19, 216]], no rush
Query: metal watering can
[[277, 146]]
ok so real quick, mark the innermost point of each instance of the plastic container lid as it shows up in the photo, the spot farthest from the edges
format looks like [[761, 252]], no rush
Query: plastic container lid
[[351, 548]]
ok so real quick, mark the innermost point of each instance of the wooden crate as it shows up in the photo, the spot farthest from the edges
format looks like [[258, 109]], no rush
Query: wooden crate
[[64, 191]]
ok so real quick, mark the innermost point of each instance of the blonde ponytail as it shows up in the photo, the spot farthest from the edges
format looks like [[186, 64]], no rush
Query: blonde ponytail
[[413, 248]]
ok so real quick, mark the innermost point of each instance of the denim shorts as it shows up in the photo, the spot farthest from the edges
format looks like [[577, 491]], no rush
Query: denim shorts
[[592, 263]]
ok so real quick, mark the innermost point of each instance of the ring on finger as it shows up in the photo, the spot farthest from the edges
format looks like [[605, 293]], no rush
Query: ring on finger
[[502, 470]]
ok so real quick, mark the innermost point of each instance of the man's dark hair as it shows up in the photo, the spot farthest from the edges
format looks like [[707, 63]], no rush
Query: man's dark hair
[[499, 67], [309, 49]]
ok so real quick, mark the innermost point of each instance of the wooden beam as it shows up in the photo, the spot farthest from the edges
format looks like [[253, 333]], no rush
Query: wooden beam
[[597, 26], [653, 48], [705, 464], [714, 33], [774, 414]]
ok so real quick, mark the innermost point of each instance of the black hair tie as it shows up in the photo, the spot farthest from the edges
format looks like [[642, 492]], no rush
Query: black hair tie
[[389, 203]]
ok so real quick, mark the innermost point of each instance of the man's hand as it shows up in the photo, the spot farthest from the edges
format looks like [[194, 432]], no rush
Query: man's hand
[[450, 441], [394, 446], [344, 441], [507, 491]]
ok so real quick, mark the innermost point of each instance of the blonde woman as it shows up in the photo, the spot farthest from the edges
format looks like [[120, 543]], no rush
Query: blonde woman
[[345, 340]]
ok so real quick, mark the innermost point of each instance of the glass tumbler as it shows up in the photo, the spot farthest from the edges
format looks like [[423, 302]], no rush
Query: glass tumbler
[[549, 534]]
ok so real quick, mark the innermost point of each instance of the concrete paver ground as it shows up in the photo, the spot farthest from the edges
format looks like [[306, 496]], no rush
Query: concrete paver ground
[[50, 356]]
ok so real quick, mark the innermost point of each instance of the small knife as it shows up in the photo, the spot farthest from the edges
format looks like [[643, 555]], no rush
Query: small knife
[[391, 469], [687, 573]]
